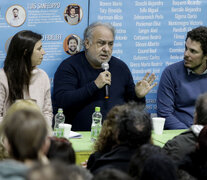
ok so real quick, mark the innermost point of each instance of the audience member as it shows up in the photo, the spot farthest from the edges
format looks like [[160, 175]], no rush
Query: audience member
[[159, 167], [142, 154], [134, 129], [185, 143], [57, 170], [195, 163], [183, 175], [109, 174], [20, 78], [181, 83], [139, 158], [107, 137], [25, 146], [78, 173], [61, 149], [79, 82]]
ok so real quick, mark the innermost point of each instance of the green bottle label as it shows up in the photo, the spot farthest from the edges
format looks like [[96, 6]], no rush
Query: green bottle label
[[59, 132], [95, 131]]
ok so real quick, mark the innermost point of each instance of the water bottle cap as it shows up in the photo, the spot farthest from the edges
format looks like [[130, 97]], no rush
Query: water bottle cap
[[60, 110], [97, 109]]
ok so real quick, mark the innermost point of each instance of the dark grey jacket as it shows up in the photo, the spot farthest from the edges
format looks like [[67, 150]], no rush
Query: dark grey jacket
[[183, 144]]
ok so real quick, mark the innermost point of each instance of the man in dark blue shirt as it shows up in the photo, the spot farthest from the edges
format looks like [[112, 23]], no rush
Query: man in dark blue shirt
[[79, 80]]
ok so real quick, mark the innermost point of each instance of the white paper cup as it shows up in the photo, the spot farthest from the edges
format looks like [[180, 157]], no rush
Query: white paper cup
[[67, 129], [158, 124]]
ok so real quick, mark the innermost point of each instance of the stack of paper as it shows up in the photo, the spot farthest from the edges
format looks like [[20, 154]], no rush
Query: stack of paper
[[75, 135]]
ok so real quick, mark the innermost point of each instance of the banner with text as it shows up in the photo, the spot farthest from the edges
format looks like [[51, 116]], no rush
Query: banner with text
[[52, 19], [150, 34]]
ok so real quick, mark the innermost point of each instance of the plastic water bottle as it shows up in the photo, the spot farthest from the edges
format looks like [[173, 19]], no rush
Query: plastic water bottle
[[96, 124], [59, 119]]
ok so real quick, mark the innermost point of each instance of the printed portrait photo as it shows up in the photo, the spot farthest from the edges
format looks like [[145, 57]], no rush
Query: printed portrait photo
[[15, 15], [72, 44], [73, 14]]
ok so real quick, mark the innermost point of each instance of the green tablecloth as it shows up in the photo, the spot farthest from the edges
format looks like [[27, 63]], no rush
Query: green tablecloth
[[84, 143], [160, 140], [84, 147]]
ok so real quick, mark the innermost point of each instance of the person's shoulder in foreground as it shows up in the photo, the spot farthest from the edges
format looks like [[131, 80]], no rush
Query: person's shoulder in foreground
[[185, 143], [180, 145], [110, 173], [12, 169], [195, 163]]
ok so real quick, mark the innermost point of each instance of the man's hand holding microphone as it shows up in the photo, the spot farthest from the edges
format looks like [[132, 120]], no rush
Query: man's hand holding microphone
[[141, 88], [104, 79]]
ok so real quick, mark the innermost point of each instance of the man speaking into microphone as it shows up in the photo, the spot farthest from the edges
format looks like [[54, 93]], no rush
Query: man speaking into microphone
[[82, 80]]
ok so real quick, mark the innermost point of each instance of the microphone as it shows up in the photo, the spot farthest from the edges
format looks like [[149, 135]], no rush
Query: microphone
[[105, 67]]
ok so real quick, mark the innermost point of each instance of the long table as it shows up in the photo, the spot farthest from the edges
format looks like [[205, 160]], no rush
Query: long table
[[84, 146]]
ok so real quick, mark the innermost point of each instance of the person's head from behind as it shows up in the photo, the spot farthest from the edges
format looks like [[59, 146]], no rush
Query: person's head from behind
[[72, 44], [139, 158], [184, 175], [98, 42], [134, 127], [114, 174], [25, 131], [200, 115], [107, 137], [78, 173], [24, 53], [15, 12], [57, 170], [159, 167], [22, 104], [195, 55], [61, 149]]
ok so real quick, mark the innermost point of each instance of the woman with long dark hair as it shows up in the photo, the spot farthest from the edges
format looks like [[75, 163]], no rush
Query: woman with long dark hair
[[20, 78]]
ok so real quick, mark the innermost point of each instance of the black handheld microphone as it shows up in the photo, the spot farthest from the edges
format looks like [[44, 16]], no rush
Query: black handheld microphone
[[105, 67]]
